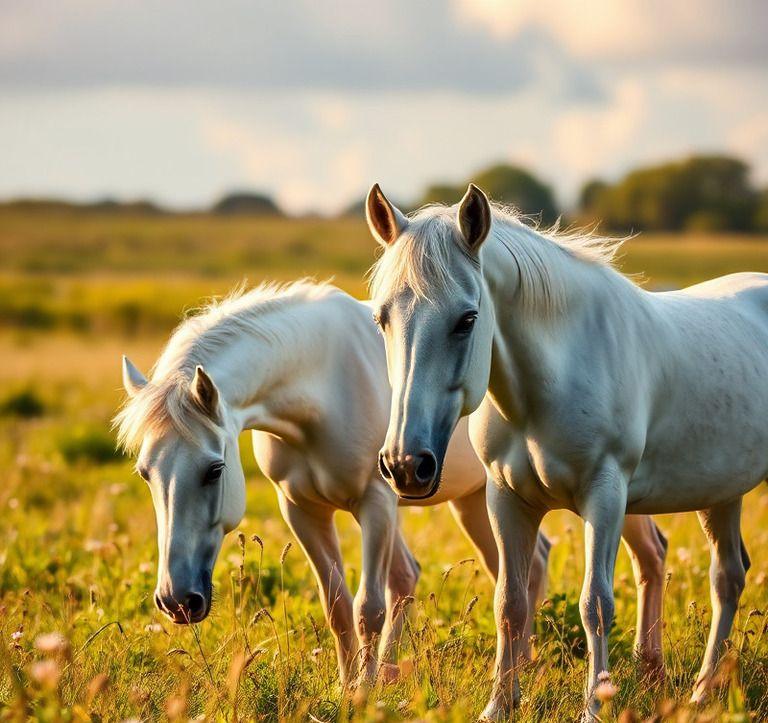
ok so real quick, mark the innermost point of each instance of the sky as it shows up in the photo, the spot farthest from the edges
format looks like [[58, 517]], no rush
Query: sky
[[311, 101]]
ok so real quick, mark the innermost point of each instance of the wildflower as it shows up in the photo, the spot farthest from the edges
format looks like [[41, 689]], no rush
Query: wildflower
[[46, 673], [52, 643], [17, 635], [176, 707], [605, 691], [13, 503], [93, 546], [98, 684], [145, 568], [684, 555], [153, 628]]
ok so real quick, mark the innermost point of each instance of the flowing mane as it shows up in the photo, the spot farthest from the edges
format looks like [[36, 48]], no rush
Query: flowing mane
[[165, 401], [420, 260]]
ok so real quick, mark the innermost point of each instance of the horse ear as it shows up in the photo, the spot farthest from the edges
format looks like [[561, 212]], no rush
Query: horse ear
[[385, 221], [474, 217], [204, 392], [133, 380]]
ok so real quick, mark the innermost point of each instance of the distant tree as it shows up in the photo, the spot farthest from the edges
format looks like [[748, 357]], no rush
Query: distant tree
[[590, 193], [106, 206], [702, 192], [246, 203], [505, 184], [517, 187], [442, 193], [760, 222]]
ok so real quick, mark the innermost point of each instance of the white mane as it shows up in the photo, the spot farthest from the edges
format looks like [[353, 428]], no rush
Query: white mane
[[165, 402], [421, 258]]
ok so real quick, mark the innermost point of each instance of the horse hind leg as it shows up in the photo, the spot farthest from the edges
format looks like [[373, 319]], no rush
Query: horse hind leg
[[647, 549], [728, 567], [404, 573]]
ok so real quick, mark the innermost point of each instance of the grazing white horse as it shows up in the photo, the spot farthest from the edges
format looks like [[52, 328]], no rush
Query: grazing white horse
[[602, 398], [304, 367]]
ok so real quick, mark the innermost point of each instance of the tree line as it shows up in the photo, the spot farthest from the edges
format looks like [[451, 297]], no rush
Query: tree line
[[698, 193]]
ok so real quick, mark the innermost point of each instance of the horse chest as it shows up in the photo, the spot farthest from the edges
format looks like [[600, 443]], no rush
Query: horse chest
[[538, 475]]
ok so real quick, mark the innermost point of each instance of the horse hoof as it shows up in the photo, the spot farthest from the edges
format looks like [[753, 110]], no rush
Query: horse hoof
[[701, 690], [389, 673], [494, 712]]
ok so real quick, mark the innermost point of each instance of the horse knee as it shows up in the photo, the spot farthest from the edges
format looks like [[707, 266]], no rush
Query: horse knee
[[403, 582], [340, 621], [512, 612], [728, 581], [597, 607], [370, 611]]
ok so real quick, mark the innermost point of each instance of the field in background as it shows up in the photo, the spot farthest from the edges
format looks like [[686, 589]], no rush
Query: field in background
[[77, 548]]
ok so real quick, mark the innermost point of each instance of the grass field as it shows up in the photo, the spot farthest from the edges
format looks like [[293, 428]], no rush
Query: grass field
[[77, 547]]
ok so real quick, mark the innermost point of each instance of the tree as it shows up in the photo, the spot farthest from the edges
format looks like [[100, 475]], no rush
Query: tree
[[443, 193], [517, 187], [701, 192], [505, 184], [246, 203]]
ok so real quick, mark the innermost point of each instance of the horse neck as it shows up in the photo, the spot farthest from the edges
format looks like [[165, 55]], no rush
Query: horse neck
[[539, 290], [258, 373], [277, 382]]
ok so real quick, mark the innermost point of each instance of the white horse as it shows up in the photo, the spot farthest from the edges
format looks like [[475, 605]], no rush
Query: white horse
[[304, 367], [602, 398]]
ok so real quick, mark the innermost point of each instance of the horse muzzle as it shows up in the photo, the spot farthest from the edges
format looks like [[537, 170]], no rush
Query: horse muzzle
[[186, 605], [411, 476]]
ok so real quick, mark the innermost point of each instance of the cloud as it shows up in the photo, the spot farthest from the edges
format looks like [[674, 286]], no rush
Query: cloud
[[261, 44], [313, 101], [652, 32]]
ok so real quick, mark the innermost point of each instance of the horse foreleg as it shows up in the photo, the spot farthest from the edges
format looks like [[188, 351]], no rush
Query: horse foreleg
[[316, 535], [376, 512], [471, 514], [727, 571], [647, 548], [602, 508], [515, 526]]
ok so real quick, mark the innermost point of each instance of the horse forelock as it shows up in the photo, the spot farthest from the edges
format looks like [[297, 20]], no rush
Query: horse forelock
[[421, 258], [158, 408]]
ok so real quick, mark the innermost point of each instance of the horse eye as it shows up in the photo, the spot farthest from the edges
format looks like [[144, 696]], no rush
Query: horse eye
[[213, 473], [465, 324], [143, 473]]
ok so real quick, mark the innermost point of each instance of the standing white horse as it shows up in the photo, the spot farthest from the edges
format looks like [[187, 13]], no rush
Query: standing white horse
[[602, 398], [304, 367]]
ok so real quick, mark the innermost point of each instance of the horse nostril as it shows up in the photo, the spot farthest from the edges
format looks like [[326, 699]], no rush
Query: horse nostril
[[427, 467], [383, 469], [195, 604]]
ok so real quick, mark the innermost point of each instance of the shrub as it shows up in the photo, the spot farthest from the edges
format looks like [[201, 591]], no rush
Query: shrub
[[92, 444], [24, 403]]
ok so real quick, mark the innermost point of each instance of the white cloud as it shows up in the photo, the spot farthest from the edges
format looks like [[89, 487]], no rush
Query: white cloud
[[650, 30]]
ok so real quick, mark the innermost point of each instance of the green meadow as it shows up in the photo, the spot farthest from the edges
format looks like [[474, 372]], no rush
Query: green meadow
[[77, 531]]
